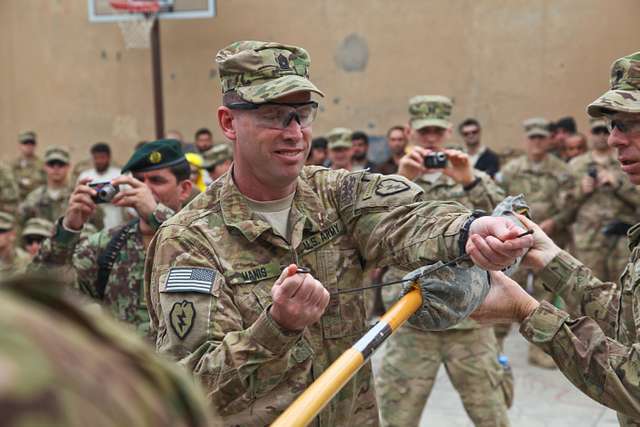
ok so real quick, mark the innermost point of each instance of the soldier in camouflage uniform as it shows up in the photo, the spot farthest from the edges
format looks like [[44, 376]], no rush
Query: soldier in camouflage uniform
[[468, 352], [9, 194], [217, 160], [596, 344], [109, 264], [63, 366], [12, 258], [35, 231], [28, 169], [547, 185], [222, 304], [606, 207]]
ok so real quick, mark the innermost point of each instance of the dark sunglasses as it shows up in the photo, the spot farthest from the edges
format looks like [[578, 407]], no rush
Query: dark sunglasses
[[28, 142], [56, 163], [601, 130], [30, 240]]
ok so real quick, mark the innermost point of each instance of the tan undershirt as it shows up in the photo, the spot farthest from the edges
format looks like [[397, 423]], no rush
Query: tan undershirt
[[274, 212]]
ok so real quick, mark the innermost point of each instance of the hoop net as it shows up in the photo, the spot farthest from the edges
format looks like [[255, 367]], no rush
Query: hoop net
[[136, 31]]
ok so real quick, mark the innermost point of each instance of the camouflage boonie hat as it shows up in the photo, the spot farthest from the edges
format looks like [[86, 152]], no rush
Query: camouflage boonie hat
[[28, 136], [37, 227], [339, 138], [597, 123], [262, 71], [430, 110], [624, 93], [7, 221], [56, 152], [536, 126], [216, 155]]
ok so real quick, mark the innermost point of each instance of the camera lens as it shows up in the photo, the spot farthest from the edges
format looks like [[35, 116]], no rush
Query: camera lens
[[107, 192]]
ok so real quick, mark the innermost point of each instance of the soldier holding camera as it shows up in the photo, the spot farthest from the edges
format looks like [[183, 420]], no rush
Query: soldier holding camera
[[109, 264], [606, 203], [469, 352]]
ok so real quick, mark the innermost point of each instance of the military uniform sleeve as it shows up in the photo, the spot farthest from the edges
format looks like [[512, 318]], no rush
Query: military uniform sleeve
[[485, 194], [200, 325], [601, 367], [591, 297], [392, 225], [58, 249]]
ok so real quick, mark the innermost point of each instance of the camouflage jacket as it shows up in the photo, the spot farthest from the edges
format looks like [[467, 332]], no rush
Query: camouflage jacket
[[124, 292], [29, 175], [18, 263], [547, 187], [595, 210], [595, 347], [9, 195], [217, 323], [484, 195], [40, 204], [64, 366]]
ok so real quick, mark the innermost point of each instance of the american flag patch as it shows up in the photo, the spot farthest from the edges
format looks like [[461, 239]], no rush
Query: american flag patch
[[190, 279]]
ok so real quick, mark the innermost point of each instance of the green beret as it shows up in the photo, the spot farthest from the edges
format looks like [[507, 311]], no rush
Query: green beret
[[160, 154]]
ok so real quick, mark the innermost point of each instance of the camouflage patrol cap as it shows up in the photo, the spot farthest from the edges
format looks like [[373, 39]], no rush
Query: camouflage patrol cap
[[7, 221], [430, 110], [596, 123], [339, 138], [262, 71], [624, 93], [37, 227], [217, 155], [28, 136], [154, 155], [56, 152], [536, 126]]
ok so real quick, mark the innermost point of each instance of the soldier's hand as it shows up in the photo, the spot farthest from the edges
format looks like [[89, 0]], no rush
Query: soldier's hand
[[587, 184], [459, 167], [299, 300], [81, 206], [506, 302], [543, 249], [411, 165], [137, 196], [493, 243]]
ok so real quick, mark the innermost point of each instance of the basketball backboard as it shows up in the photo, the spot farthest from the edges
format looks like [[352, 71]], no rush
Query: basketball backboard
[[101, 10]]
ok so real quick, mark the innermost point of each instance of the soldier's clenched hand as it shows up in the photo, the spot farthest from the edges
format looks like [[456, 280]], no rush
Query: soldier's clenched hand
[[81, 206], [299, 300], [493, 243]]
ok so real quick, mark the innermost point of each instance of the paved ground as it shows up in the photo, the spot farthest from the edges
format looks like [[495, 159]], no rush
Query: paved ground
[[543, 398]]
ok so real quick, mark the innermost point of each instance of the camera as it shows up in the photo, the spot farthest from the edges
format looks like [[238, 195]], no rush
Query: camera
[[106, 191], [435, 161], [592, 171]]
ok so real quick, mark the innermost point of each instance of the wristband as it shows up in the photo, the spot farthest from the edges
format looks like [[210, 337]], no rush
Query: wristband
[[464, 231]]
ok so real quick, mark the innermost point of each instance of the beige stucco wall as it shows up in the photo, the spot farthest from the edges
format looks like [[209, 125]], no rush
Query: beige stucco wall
[[501, 60]]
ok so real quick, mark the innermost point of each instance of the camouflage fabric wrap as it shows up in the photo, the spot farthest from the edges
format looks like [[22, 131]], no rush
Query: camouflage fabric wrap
[[262, 71], [67, 367], [449, 294], [430, 110], [508, 208], [624, 84]]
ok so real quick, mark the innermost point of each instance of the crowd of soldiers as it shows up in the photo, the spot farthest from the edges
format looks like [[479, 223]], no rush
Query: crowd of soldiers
[[193, 257]]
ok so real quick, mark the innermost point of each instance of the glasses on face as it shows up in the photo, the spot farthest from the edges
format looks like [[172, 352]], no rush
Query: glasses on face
[[56, 164], [30, 240], [277, 115], [470, 132], [600, 131], [625, 126]]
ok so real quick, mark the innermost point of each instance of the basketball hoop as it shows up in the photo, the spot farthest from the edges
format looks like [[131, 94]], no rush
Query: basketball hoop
[[142, 14]]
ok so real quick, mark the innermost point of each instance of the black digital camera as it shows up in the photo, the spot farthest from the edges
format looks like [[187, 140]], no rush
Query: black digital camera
[[592, 171], [435, 160], [105, 192]]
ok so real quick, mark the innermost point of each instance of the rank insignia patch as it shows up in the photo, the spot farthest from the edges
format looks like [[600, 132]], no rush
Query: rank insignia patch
[[390, 186], [181, 317]]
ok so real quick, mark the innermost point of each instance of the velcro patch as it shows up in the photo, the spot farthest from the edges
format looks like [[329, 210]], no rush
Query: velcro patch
[[190, 279]]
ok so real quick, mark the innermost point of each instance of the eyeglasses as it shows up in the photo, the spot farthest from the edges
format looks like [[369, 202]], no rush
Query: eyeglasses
[[470, 132], [624, 126], [601, 130], [56, 164], [30, 240], [277, 115]]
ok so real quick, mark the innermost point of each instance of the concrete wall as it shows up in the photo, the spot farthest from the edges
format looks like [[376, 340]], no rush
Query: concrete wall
[[501, 60]]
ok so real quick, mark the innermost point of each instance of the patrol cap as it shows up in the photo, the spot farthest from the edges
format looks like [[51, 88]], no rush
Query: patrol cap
[[28, 136], [430, 110], [262, 71], [154, 155], [7, 221], [217, 155], [56, 152], [624, 89], [536, 126], [37, 227], [339, 138], [596, 123]]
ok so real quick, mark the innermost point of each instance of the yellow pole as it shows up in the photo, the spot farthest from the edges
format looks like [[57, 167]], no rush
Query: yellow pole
[[302, 411]]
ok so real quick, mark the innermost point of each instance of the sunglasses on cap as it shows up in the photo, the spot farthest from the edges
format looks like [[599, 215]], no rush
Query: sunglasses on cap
[[278, 115]]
